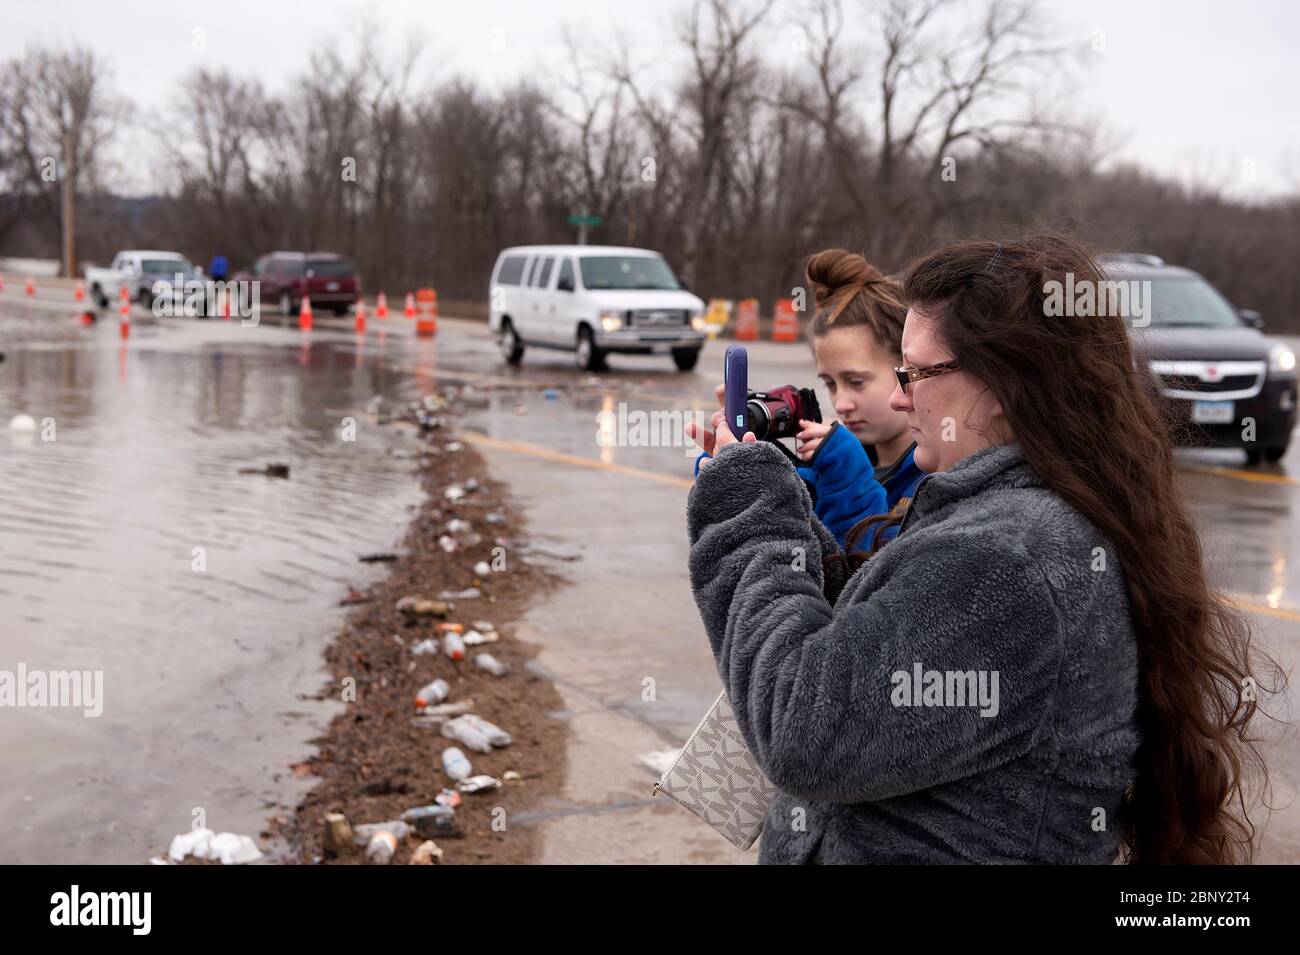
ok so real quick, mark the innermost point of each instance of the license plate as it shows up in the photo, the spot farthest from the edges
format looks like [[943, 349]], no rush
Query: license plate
[[1212, 412], [660, 349], [332, 287]]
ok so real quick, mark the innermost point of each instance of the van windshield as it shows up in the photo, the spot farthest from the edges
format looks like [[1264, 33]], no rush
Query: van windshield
[[165, 266], [627, 272]]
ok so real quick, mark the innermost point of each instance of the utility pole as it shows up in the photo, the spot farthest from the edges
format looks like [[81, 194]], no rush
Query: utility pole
[[69, 211]]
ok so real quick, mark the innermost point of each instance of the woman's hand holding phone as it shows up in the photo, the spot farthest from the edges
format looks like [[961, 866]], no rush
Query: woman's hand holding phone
[[714, 441], [706, 439]]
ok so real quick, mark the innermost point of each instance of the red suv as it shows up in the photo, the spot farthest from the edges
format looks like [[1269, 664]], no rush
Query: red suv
[[328, 279]]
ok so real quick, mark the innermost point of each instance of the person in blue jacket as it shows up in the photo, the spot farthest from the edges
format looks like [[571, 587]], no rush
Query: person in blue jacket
[[856, 333]]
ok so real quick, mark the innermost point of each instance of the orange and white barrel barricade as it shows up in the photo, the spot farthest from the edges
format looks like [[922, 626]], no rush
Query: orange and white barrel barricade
[[785, 325], [747, 320], [426, 323]]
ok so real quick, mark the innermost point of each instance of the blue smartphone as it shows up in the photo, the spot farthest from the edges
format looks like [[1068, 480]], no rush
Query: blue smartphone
[[735, 378]]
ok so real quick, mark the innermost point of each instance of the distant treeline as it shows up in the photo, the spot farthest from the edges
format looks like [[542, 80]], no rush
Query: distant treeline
[[785, 130]]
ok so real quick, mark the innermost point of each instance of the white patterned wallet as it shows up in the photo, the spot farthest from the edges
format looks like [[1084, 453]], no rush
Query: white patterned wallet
[[716, 778]]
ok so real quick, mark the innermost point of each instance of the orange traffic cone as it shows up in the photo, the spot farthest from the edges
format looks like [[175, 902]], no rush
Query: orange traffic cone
[[2, 284], [225, 307], [81, 292], [124, 311], [381, 307], [304, 314], [410, 305], [31, 285], [361, 317]]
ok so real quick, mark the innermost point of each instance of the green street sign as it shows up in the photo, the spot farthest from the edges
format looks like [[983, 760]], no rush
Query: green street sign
[[585, 220]]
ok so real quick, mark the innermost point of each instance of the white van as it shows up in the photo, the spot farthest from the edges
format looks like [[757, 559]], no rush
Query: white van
[[593, 300]]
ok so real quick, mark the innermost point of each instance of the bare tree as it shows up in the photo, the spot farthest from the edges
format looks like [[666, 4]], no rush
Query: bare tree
[[55, 104]]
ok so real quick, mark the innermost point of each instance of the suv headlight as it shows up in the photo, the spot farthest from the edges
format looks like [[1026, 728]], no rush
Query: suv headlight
[[610, 321], [1281, 359]]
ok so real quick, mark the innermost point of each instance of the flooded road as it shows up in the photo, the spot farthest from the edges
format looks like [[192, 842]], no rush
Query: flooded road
[[130, 545]]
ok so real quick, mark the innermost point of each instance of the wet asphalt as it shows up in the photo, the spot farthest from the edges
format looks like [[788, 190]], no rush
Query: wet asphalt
[[622, 640]]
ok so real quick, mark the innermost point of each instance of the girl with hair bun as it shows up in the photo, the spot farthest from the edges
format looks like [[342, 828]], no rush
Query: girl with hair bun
[[856, 334]]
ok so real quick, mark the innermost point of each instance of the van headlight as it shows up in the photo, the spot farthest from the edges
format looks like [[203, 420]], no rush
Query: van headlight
[[611, 321], [697, 321], [1281, 359]]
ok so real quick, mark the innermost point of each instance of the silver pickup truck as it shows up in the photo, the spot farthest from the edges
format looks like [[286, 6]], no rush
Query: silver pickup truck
[[138, 270]]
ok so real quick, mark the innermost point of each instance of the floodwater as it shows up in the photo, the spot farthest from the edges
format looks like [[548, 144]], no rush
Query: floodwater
[[130, 546]]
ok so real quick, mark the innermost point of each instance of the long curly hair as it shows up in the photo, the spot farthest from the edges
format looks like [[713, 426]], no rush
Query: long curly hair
[[1090, 428]]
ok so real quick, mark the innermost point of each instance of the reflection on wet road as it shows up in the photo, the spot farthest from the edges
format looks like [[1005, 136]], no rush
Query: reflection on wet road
[[129, 544]]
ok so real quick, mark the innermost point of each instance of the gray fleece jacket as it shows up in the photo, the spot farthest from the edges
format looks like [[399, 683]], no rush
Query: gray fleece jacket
[[969, 695]]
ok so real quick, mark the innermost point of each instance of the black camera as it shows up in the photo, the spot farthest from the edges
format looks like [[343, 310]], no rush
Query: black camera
[[776, 414]]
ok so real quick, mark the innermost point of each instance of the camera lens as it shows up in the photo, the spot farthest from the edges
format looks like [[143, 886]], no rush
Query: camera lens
[[759, 418]]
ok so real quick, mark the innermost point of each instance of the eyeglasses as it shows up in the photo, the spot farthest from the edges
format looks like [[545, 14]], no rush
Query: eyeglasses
[[921, 372]]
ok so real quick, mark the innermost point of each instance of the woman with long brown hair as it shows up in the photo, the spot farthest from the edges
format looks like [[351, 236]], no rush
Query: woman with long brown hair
[[1036, 669]]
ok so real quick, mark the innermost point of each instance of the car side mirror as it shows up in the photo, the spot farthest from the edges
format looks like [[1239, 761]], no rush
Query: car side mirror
[[1251, 318]]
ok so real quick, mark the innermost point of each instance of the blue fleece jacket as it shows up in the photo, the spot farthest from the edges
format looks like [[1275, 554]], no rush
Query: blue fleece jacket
[[846, 486]]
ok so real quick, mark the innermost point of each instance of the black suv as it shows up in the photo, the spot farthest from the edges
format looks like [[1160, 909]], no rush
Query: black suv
[[1218, 373]]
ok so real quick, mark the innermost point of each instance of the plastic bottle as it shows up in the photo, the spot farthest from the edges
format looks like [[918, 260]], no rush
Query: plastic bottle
[[453, 644], [362, 834], [486, 661], [495, 734], [432, 694], [467, 734], [429, 821], [455, 764]]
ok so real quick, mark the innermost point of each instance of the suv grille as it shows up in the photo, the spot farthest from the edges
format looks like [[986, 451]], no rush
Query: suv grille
[[1226, 380], [1229, 383]]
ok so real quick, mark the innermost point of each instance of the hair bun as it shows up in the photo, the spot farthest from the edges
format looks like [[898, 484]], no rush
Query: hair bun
[[832, 272]]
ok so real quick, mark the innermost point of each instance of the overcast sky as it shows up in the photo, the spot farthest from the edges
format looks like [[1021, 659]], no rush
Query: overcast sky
[[1197, 90]]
